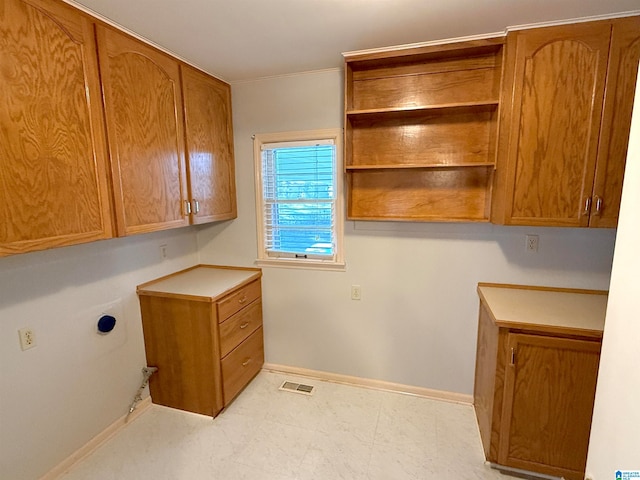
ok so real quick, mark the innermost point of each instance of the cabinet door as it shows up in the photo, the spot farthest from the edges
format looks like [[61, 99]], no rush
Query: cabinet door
[[616, 121], [554, 88], [53, 180], [548, 402], [143, 104], [209, 146]]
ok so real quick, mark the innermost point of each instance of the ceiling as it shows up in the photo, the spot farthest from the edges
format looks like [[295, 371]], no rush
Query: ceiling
[[247, 39]]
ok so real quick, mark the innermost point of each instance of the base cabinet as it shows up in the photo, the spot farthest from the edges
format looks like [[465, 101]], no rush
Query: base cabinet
[[533, 396], [549, 389], [203, 331]]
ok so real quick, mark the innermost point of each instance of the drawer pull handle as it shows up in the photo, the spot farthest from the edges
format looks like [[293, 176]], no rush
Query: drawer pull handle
[[246, 362], [244, 325], [243, 299]]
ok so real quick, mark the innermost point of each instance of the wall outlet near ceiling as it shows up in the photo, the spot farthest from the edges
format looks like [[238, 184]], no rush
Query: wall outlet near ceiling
[[27, 338], [356, 292], [531, 243]]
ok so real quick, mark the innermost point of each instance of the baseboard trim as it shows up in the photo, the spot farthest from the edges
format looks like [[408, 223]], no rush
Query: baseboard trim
[[371, 383], [525, 474], [93, 444]]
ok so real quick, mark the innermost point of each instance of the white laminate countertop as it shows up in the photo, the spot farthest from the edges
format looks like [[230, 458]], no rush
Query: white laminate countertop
[[581, 313], [204, 281]]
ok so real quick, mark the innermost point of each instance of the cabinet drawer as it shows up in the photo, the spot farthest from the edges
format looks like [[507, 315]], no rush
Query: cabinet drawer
[[242, 364], [238, 300], [235, 329]]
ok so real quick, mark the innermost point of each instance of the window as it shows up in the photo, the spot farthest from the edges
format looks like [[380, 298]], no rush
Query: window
[[299, 198]]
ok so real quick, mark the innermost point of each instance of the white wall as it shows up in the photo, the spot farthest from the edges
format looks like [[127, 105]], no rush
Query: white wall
[[57, 396], [416, 323], [615, 431]]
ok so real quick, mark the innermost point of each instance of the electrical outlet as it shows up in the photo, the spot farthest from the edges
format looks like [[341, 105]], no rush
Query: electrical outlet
[[531, 243], [27, 338], [163, 251], [356, 292]]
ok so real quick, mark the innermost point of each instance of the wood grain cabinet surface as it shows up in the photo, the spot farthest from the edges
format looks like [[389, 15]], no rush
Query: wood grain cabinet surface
[[143, 108], [566, 113], [209, 146], [536, 369], [421, 127], [170, 137], [69, 83], [53, 180], [203, 330], [616, 121]]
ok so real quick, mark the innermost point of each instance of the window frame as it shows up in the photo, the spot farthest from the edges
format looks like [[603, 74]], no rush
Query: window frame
[[264, 259]]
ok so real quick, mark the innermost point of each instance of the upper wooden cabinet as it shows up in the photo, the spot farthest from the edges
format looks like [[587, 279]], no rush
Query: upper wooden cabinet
[[143, 108], [616, 121], [420, 131], [209, 146], [53, 180], [567, 96], [157, 109], [57, 101]]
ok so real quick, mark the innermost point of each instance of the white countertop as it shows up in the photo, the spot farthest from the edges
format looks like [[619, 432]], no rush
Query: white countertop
[[566, 311], [203, 281]]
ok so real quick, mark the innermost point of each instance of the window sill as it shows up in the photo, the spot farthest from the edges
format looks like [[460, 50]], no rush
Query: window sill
[[302, 264]]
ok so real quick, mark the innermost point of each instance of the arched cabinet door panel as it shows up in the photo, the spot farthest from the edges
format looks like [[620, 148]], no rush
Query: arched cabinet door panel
[[555, 87], [143, 106], [53, 180]]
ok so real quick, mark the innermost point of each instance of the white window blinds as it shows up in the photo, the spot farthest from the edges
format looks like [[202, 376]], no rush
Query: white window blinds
[[299, 199]]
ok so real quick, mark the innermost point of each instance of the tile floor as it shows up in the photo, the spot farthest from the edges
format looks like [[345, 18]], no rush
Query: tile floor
[[340, 432]]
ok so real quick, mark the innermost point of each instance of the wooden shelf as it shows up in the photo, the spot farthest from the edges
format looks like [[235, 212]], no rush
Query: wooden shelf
[[444, 108], [421, 131], [422, 138], [349, 168], [422, 53], [434, 195]]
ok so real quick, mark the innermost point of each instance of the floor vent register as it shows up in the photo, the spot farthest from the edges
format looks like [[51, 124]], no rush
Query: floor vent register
[[297, 388]]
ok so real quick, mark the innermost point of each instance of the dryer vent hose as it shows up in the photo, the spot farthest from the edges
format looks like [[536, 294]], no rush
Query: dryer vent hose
[[146, 373]]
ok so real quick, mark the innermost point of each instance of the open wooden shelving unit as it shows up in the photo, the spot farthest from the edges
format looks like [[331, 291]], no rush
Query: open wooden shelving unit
[[421, 131]]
